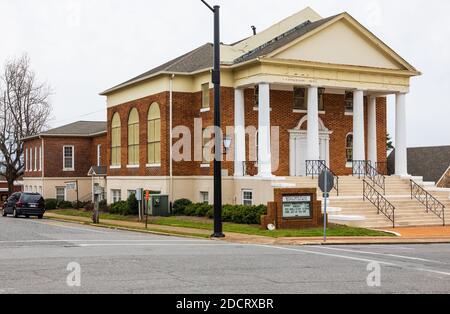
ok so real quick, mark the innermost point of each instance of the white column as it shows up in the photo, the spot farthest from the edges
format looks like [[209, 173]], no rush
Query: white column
[[359, 152], [239, 132], [313, 151], [372, 130], [401, 158], [264, 151]]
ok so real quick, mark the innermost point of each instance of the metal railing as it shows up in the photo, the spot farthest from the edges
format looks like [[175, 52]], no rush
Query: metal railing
[[316, 167], [364, 168], [360, 168], [379, 201], [431, 203]]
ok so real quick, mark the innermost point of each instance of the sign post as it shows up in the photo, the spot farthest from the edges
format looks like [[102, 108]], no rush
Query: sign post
[[326, 184], [147, 201]]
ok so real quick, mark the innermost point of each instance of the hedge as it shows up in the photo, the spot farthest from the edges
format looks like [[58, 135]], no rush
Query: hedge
[[119, 208], [51, 204], [240, 214]]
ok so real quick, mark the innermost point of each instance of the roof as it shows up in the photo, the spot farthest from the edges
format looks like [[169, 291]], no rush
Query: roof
[[262, 44], [428, 162], [76, 129], [97, 171], [198, 59], [283, 39]]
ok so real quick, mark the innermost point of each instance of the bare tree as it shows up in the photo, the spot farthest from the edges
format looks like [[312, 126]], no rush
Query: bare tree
[[24, 111]]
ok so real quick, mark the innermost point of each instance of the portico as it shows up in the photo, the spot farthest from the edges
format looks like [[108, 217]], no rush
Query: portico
[[310, 139]]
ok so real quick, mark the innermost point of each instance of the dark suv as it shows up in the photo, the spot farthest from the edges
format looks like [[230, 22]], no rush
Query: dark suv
[[24, 204]]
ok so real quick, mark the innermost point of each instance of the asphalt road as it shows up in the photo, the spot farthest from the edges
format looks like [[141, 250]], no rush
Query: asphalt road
[[34, 256]]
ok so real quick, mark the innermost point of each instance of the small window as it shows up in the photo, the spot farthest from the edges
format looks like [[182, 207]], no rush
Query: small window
[[247, 197], [26, 159], [35, 159], [204, 197], [99, 155], [69, 158], [256, 96], [30, 161], [40, 158], [116, 196], [205, 96], [300, 98], [348, 101], [60, 194], [349, 148]]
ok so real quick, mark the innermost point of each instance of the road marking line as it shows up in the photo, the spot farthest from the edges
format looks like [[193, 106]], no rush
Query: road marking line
[[381, 254], [75, 241], [433, 271], [147, 244], [329, 255], [68, 227]]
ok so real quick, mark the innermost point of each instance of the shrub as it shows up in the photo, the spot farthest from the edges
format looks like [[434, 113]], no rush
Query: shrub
[[119, 208], [89, 207], [180, 205], [103, 206], [133, 205], [190, 210], [51, 204], [64, 205], [79, 204]]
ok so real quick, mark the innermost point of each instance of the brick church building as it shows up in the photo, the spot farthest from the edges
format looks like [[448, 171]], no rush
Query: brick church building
[[312, 89]]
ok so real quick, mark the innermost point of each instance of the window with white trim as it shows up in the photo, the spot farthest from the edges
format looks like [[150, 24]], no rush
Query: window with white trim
[[35, 159], [349, 102], [99, 155], [69, 163], [30, 161], [116, 196], [349, 148], [60, 193], [40, 158], [26, 159], [204, 197], [247, 197], [205, 96]]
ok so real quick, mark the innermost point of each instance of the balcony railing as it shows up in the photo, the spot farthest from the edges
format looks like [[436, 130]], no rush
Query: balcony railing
[[314, 168], [431, 203], [379, 201]]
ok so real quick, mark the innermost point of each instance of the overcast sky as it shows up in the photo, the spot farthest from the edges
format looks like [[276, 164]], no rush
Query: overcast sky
[[82, 47]]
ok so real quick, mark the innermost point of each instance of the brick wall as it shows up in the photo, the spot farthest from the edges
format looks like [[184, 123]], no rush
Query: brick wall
[[85, 155], [31, 145], [187, 107]]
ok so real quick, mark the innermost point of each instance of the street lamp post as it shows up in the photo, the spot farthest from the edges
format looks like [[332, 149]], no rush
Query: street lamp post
[[218, 228]]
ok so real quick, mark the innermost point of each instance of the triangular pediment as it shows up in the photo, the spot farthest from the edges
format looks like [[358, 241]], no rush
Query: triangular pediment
[[343, 41]]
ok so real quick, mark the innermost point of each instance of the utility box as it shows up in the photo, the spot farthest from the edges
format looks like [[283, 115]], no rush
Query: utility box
[[159, 206]]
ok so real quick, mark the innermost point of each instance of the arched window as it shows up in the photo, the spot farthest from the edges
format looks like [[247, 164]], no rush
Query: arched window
[[154, 135], [349, 147], [115, 141], [133, 138]]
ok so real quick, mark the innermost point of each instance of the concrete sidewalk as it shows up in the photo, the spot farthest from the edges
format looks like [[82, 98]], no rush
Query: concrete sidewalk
[[410, 235]]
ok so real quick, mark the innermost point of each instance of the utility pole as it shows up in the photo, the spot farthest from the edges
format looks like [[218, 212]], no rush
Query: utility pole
[[218, 228]]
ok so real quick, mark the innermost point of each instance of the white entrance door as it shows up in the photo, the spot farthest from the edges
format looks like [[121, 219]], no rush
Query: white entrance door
[[298, 152]]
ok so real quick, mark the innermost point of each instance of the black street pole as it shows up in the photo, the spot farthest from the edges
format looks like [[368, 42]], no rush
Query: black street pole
[[218, 228]]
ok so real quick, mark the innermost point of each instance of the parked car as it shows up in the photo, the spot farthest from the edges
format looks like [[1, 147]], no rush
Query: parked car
[[24, 204]]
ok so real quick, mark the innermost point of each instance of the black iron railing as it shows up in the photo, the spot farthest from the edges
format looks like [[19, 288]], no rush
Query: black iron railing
[[360, 168], [431, 203], [383, 206], [377, 178], [364, 169], [315, 167]]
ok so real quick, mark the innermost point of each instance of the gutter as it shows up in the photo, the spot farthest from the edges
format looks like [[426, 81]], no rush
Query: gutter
[[62, 135]]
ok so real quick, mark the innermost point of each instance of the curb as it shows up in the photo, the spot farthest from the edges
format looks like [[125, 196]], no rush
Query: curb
[[112, 227]]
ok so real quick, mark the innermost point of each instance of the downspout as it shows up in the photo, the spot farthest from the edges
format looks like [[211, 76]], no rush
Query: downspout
[[170, 136]]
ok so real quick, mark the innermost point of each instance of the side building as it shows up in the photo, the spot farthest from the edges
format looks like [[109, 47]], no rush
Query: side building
[[64, 163]]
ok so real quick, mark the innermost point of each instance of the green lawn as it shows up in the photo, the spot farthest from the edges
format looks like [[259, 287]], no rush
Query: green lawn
[[205, 224]]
